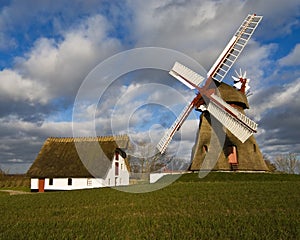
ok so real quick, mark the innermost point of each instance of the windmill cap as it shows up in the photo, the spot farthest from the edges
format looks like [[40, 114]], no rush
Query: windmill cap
[[231, 95]]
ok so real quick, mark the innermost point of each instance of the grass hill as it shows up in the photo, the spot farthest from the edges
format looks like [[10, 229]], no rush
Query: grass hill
[[219, 206]]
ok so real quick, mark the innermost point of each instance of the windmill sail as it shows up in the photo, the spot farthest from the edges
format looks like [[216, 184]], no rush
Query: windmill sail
[[164, 142], [192, 80], [185, 75], [240, 125], [234, 48]]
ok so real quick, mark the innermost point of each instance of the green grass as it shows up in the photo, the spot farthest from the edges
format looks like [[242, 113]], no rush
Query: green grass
[[234, 176], [220, 206]]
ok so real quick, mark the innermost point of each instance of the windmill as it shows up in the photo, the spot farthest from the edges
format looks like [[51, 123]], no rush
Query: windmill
[[207, 99]]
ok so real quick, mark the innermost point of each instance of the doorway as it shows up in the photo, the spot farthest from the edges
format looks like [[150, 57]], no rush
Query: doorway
[[41, 184]]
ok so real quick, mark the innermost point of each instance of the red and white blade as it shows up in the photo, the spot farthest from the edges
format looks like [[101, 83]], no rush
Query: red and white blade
[[185, 75], [166, 139], [237, 123], [234, 48]]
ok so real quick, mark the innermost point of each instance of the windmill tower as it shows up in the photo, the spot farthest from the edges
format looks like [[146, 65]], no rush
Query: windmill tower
[[235, 155], [227, 110]]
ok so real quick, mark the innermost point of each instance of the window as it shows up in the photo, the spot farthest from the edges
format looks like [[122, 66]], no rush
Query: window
[[89, 182], [121, 166], [69, 181], [117, 156], [205, 149], [116, 168], [254, 147], [50, 181]]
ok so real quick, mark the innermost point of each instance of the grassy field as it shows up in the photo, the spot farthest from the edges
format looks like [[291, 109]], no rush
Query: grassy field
[[220, 206]]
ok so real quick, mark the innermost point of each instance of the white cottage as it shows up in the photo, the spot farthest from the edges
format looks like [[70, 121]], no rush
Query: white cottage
[[80, 163]]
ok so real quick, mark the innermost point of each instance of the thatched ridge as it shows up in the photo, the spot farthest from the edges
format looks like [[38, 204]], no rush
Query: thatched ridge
[[78, 157], [90, 139]]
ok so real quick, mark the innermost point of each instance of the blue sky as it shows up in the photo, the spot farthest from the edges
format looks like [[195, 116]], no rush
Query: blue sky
[[48, 48]]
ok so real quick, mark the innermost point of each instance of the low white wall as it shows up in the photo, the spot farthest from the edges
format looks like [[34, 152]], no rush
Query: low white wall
[[154, 177]]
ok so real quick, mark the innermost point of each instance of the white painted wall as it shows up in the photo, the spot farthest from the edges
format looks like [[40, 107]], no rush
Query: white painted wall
[[62, 183], [77, 183], [154, 177], [34, 183], [122, 178]]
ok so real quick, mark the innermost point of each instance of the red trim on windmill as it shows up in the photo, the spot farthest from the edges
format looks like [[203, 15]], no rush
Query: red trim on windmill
[[241, 82]]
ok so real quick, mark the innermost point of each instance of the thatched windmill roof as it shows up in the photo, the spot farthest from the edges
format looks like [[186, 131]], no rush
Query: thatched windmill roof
[[77, 157], [232, 95]]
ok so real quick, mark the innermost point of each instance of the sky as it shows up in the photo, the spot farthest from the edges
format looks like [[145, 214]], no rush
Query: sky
[[48, 49]]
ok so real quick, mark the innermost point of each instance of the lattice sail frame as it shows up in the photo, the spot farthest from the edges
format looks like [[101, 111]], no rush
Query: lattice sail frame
[[234, 48]]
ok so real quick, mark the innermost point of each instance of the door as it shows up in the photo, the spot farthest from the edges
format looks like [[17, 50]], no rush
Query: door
[[41, 184], [232, 156]]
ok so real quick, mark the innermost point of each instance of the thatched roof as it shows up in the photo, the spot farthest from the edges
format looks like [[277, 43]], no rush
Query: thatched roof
[[77, 157], [232, 95]]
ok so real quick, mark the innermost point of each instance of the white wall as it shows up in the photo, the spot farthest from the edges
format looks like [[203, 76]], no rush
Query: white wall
[[34, 183], [62, 183], [122, 179], [154, 177], [77, 183]]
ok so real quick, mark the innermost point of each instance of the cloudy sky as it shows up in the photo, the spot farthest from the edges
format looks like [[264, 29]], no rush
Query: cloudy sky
[[48, 48]]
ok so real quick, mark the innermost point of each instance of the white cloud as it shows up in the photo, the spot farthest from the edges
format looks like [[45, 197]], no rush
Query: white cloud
[[54, 69], [23, 128], [279, 16], [15, 87], [277, 110], [292, 59], [199, 29], [15, 160], [286, 95]]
